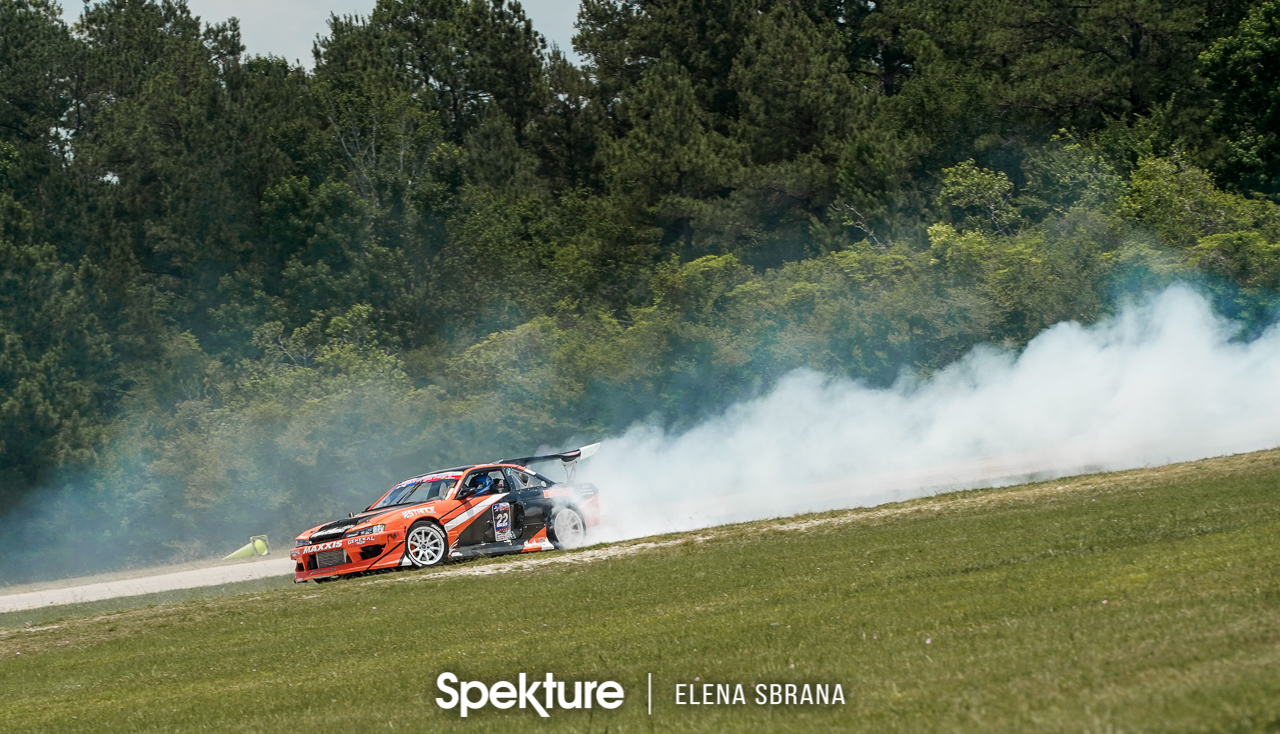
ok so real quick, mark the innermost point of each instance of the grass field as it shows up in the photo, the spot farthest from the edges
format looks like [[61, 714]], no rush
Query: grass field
[[1140, 601]]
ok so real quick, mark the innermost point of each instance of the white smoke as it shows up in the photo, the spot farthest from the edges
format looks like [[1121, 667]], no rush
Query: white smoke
[[1161, 382]]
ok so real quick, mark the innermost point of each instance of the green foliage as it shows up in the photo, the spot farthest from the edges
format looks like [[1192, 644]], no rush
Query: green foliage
[[36, 53], [1032, 279], [987, 191], [1245, 257], [670, 149], [1243, 71], [993, 77], [55, 365], [804, 110], [455, 56], [1181, 204], [232, 284], [1069, 175]]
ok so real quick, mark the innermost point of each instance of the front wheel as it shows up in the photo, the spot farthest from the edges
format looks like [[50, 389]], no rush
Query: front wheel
[[567, 529], [425, 544]]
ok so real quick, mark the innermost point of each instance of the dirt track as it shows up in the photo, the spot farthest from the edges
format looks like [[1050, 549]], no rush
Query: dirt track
[[191, 579]]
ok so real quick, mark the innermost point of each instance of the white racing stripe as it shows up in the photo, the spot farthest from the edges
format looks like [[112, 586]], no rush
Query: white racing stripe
[[484, 505]]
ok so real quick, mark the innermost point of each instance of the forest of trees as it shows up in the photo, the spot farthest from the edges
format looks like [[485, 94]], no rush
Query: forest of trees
[[235, 292]]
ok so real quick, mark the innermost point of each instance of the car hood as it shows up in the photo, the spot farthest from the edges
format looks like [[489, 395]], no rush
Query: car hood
[[337, 528]]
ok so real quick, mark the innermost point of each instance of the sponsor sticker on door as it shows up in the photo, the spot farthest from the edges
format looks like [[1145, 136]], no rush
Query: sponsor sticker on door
[[502, 522]]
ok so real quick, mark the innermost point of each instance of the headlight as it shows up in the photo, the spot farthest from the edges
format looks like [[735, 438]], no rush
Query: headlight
[[366, 531], [299, 542]]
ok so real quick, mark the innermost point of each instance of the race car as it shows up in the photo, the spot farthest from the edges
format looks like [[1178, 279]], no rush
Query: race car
[[467, 511]]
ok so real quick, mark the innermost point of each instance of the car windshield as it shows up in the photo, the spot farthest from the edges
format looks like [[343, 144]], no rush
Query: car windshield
[[424, 490]]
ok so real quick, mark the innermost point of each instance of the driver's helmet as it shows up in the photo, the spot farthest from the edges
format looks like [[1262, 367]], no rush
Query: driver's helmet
[[481, 483]]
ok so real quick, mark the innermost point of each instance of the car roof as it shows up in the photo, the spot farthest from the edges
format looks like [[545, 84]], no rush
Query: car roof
[[445, 473], [438, 474]]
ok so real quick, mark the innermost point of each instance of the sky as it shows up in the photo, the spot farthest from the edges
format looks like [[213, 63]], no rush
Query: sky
[[288, 27]]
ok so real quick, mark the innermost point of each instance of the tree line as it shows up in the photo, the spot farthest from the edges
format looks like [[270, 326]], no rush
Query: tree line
[[235, 292]]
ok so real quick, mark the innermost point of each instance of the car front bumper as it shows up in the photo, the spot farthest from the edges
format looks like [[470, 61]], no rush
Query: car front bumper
[[347, 555]]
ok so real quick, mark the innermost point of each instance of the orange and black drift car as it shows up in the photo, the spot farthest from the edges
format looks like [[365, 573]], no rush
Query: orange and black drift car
[[467, 511]]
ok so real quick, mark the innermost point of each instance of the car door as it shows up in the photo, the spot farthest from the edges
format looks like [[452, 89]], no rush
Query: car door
[[527, 504], [477, 513]]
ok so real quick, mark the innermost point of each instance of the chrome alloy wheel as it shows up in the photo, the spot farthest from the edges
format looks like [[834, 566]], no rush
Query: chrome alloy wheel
[[425, 544]]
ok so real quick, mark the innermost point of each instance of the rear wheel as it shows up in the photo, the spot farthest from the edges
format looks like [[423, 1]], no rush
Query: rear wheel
[[425, 544], [567, 528]]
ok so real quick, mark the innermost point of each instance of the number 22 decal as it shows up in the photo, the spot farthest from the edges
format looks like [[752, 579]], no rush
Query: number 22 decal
[[501, 521]]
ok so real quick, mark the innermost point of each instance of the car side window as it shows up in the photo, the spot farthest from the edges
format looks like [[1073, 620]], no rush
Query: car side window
[[433, 490], [519, 480], [468, 484], [497, 485]]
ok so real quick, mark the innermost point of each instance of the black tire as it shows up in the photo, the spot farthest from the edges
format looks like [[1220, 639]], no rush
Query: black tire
[[426, 545], [567, 529]]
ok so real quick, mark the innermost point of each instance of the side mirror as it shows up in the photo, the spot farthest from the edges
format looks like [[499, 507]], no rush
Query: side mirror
[[464, 493]]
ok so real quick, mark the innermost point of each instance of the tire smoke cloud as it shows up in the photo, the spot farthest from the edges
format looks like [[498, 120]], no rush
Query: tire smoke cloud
[[1162, 381]]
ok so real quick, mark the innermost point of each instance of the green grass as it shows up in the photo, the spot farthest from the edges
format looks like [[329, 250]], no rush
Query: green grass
[[55, 614], [1008, 586]]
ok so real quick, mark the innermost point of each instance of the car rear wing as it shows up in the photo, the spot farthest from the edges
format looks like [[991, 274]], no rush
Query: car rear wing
[[569, 459]]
